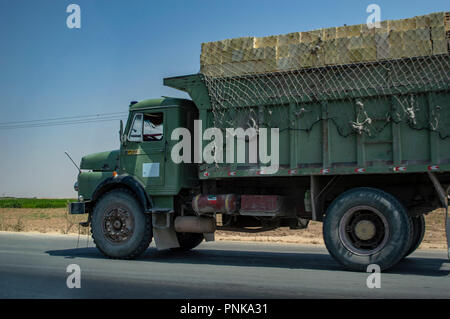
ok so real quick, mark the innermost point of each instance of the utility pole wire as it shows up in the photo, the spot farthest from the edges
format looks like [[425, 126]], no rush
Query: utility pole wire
[[69, 120], [64, 118], [59, 123]]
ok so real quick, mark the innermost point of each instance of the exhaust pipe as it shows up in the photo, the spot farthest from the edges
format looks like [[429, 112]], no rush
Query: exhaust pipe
[[195, 224]]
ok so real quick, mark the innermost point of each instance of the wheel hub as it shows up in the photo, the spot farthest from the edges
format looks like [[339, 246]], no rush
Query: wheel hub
[[365, 229], [118, 225]]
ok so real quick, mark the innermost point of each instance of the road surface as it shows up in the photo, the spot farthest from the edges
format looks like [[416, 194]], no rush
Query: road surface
[[34, 266]]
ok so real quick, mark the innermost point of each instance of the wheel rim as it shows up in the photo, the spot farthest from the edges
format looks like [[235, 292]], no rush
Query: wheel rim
[[118, 225], [364, 230]]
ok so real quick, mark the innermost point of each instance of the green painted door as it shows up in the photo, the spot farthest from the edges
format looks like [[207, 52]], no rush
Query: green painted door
[[144, 155]]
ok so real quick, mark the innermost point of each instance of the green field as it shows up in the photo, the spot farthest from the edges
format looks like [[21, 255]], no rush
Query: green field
[[11, 202]]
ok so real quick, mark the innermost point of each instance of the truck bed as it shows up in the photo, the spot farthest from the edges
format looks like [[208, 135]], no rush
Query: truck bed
[[389, 128]]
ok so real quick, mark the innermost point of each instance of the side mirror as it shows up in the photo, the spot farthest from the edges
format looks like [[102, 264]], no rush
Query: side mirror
[[122, 136]]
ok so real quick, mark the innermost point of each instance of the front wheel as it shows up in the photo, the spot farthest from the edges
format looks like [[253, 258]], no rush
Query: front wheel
[[120, 228], [366, 226]]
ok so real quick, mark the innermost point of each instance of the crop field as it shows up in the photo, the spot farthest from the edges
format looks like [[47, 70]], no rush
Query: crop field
[[12, 202], [33, 218]]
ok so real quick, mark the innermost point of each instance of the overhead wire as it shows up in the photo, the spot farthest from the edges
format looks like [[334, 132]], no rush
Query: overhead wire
[[68, 120]]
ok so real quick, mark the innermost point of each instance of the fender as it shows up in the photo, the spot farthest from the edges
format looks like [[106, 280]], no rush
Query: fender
[[129, 182]]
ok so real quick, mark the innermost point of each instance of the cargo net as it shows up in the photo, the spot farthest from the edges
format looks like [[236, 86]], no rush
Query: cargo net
[[385, 72]]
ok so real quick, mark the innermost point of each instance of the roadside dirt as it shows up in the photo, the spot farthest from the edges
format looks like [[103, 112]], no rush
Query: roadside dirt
[[57, 221]]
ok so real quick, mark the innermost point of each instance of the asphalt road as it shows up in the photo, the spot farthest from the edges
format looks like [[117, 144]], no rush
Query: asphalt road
[[34, 266]]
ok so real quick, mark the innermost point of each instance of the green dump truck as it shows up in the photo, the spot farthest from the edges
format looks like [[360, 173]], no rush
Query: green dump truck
[[363, 147]]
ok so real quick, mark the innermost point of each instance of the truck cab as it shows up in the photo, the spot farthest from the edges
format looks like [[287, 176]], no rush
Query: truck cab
[[145, 148], [142, 167]]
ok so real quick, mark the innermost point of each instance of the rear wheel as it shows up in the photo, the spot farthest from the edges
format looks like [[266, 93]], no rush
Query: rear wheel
[[188, 241], [418, 225], [120, 228], [366, 226]]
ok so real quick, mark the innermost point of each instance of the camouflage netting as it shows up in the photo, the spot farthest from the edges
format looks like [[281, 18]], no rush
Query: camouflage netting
[[395, 62]]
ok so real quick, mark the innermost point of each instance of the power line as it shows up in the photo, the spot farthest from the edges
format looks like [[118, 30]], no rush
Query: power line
[[69, 120], [60, 123], [65, 118]]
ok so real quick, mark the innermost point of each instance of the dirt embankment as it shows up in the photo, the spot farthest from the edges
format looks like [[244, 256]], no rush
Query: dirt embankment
[[57, 221]]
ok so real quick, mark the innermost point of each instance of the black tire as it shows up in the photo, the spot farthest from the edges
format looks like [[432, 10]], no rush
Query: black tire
[[366, 226], [119, 226], [188, 241], [418, 225]]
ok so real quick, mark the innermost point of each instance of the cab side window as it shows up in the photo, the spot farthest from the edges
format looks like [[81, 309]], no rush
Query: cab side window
[[153, 127], [147, 127], [135, 134]]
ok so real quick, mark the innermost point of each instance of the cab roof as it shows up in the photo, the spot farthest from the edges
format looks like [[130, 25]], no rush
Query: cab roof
[[163, 101]]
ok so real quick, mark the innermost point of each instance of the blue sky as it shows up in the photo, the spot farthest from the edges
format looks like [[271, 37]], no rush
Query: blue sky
[[121, 53]]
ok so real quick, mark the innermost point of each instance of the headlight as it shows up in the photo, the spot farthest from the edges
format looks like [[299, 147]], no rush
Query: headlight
[[75, 186]]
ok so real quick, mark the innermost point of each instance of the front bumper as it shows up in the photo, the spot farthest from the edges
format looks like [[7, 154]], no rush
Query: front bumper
[[77, 208]]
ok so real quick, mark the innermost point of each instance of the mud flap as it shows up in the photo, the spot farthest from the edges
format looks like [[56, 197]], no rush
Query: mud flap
[[209, 236], [163, 231], [165, 238]]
